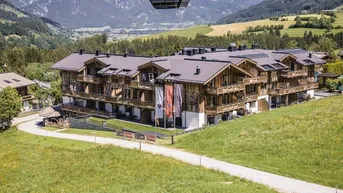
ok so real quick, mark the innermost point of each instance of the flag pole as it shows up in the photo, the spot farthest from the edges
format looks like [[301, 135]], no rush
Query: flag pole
[[165, 106], [174, 107]]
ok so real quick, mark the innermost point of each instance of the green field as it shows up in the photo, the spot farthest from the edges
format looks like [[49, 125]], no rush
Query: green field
[[303, 141], [37, 164], [188, 32], [132, 126], [299, 32]]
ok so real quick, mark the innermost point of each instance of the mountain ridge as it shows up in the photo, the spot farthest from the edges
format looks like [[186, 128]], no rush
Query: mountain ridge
[[272, 8], [124, 13]]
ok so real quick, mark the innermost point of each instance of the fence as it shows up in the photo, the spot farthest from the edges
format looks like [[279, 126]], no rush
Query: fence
[[82, 123]]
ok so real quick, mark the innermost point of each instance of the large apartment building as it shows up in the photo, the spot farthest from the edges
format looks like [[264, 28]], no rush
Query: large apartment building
[[206, 84]]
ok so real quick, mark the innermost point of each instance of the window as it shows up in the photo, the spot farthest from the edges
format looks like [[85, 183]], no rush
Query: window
[[16, 80], [252, 104], [226, 99], [7, 81], [292, 66], [225, 80]]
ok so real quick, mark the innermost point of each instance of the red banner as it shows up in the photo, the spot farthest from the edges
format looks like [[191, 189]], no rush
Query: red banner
[[151, 138], [169, 100], [128, 135]]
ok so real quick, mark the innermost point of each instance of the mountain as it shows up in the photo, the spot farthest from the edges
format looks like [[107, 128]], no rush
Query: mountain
[[124, 13], [19, 28], [270, 8]]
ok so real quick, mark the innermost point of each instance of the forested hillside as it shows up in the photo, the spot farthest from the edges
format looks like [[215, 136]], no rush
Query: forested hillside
[[270, 8], [18, 28]]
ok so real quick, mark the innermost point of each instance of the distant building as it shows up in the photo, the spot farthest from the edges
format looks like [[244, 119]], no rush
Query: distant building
[[210, 84], [20, 84]]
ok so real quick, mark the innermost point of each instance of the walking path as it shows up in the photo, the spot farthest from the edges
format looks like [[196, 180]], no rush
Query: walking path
[[283, 184]]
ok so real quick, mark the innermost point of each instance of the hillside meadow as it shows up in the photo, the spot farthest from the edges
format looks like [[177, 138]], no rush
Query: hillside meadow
[[37, 164], [303, 141]]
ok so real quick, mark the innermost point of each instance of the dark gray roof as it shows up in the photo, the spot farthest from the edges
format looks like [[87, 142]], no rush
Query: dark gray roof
[[185, 70], [73, 62], [303, 56], [13, 80]]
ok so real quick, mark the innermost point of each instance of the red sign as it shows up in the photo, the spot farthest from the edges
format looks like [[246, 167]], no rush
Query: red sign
[[128, 135], [151, 138]]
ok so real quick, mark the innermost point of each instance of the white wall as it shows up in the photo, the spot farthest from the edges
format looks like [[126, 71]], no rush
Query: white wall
[[108, 107], [311, 93], [217, 118], [193, 120], [26, 105], [122, 109], [137, 113], [251, 109], [66, 100]]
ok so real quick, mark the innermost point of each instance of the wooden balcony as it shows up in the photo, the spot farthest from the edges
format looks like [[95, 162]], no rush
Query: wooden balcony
[[110, 99], [138, 103], [142, 85], [250, 98], [91, 96], [255, 80], [263, 92], [224, 108], [83, 110], [285, 89], [116, 85], [226, 89], [27, 97], [293, 74], [88, 79]]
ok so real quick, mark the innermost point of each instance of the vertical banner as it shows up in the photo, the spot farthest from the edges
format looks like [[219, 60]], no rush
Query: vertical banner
[[159, 102], [169, 100], [178, 100]]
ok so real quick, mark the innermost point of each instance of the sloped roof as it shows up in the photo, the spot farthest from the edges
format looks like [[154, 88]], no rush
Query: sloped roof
[[13, 80], [51, 112]]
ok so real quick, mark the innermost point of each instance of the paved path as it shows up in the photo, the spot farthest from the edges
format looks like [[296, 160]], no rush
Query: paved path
[[283, 184]]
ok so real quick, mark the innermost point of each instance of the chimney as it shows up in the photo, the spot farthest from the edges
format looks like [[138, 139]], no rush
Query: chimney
[[97, 52], [213, 49], [126, 54], [203, 57], [82, 51], [189, 52], [195, 51], [183, 51], [108, 54], [242, 47], [232, 47], [201, 50], [310, 54], [198, 70], [255, 46]]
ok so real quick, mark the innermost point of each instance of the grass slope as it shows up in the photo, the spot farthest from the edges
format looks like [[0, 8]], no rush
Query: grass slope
[[36, 164], [302, 141]]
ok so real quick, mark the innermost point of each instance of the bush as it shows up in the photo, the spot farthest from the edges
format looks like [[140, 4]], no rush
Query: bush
[[10, 107], [336, 68]]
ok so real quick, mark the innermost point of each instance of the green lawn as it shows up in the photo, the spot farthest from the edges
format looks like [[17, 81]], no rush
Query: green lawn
[[303, 141], [90, 132], [299, 32], [131, 126], [187, 32], [37, 164]]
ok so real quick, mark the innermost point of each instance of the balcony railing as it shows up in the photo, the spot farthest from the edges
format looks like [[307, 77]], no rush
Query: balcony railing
[[285, 89], [110, 99], [142, 85], [249, 98], [255, 80], [225, 108], [293, 74], [88, 79], [27, 97], [226, 89], [263, 92], [83, 110]]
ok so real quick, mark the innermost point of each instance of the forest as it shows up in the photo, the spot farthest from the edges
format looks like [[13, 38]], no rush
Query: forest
[[34, 62]]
